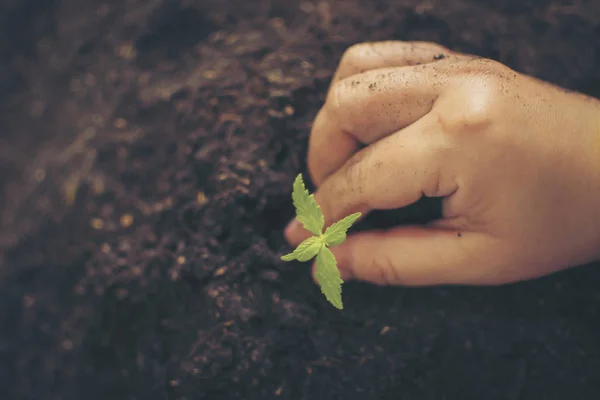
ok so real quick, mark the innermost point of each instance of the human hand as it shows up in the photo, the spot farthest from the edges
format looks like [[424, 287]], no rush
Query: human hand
[[516, 161]]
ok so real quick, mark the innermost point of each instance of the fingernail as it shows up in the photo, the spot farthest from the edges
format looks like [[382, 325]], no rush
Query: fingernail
[[291, 227], [345, 275]]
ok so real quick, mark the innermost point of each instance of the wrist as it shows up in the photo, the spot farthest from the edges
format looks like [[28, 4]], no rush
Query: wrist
[[595, 164], [585, 172]]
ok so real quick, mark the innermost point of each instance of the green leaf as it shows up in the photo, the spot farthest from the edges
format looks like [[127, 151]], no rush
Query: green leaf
[[336, 233], [308, 211], [289, 257], [305, 250], [328, 277]]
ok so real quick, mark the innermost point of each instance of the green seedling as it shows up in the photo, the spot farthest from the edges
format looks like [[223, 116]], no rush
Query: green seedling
[[309, 214]]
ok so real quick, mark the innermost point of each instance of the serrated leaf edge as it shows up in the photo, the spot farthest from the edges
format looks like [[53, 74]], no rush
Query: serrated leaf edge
[[299, 189], [328, 232]]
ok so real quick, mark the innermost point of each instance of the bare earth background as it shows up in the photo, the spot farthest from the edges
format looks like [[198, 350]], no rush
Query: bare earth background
[[147, 151]]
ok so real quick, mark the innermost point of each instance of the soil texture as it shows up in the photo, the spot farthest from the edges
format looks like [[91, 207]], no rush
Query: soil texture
[[147, 153]]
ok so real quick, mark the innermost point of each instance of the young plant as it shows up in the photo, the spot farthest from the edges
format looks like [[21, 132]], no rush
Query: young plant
[[309, 214]]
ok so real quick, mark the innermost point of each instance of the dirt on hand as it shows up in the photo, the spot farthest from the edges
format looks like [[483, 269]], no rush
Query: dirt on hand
[[147, 154]]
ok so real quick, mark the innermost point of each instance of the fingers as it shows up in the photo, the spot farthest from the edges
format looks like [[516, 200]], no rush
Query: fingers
[[391, 173], [367, 56], [329, 146], [358, 59], [368, 107], [418, 256]]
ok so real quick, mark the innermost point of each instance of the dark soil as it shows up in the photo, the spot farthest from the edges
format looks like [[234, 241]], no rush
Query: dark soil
[[147, 152]]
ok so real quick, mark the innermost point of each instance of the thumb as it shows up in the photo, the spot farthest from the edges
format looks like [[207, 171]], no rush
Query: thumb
[[416, 256]]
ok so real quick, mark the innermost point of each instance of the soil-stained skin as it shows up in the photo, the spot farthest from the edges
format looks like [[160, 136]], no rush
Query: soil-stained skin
[[175, 130]]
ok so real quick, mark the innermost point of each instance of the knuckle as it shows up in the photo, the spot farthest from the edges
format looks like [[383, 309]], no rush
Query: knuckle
[[477, 114], [482, 72], [355, 54], [484, 83], [481, 66], [430, 47], [355, 174], [386, 266], [335, 99], [314, 166], [473, 116]]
